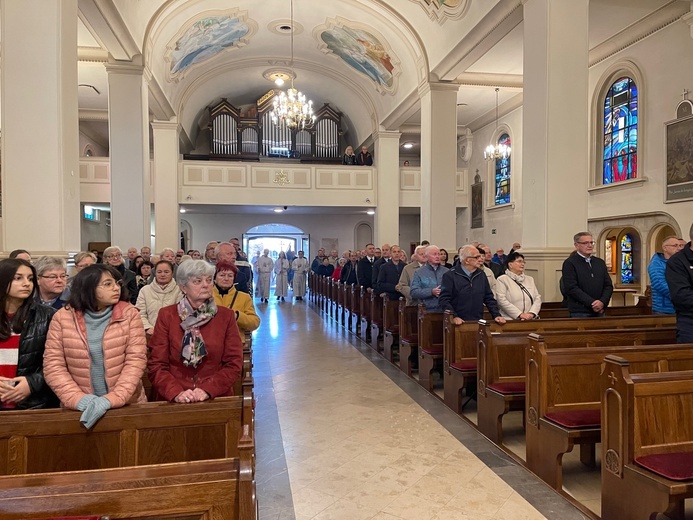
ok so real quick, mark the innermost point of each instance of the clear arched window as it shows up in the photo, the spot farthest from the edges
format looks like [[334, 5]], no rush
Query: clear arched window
[[620, 132], [502, 177], [627, 259]]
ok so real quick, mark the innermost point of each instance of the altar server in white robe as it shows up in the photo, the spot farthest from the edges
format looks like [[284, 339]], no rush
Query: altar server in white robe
[[300, 268], [281, 276], [265, 266]]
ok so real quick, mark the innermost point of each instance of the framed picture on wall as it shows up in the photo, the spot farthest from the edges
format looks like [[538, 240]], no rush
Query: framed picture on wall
[[610, 254], [679, 143], [477, 206]]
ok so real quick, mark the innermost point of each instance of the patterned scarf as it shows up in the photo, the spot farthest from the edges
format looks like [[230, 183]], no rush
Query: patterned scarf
[[193, 348]]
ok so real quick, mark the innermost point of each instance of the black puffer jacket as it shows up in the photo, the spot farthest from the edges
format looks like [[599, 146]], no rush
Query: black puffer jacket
[[31, 346]]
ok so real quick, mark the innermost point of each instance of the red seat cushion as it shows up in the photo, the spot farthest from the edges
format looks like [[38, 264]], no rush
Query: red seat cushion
[[577, 418], [508, 388], [432, 350], [465, 366], [674, 466], [411, 339]]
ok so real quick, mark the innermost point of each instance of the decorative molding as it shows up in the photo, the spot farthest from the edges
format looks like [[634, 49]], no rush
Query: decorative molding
[[532, 416], [489, 79], [656, 21], [615, 186], [93, 114], [281, 178], [92, 55], [612, 462], [439, 11], [104, 22]]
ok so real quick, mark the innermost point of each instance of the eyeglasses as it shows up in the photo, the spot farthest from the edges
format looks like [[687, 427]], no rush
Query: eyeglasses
[[115, 255], [54, 277], [110, 284], [477, 256], [590, 243]]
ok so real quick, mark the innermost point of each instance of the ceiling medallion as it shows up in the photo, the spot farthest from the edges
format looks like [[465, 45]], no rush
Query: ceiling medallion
[[281, 178]]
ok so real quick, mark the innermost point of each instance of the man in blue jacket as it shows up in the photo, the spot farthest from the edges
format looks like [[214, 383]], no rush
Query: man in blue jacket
[[661, 300], [428, 280], [466, 290]]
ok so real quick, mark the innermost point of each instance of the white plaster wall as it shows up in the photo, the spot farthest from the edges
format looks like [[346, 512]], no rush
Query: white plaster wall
[[666, 63], [208, 227], [409, 229], [506, 221]]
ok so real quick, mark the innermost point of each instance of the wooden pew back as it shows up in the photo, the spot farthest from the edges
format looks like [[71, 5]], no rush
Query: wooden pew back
[[376, 309], [408, 321], [501, 348], [430, 330], [390, 315], [47, 441]]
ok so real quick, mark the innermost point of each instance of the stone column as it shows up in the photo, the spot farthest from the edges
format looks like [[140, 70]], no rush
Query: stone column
[[128, 129], [438, 163], [166, 215], [387, 187], [555, 153], [40, 133]]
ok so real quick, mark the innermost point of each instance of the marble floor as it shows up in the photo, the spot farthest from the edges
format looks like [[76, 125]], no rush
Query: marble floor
[[343, 434]]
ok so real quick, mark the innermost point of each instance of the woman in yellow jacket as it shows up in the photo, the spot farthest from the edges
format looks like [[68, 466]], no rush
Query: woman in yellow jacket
[[226, 295]]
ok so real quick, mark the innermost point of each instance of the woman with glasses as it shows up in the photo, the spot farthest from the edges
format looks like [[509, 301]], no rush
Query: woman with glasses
[[51, 279], [23, 328], [162, 292], [196, 350], [226, 295], [96, 349], [516, 293]]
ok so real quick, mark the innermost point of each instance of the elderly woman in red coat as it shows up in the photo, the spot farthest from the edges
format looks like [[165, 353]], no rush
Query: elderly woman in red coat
[[196, 350]]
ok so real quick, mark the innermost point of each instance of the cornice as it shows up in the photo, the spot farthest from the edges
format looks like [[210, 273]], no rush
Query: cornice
[[91, 114], [487, 79], [92, 54], [656, 21]]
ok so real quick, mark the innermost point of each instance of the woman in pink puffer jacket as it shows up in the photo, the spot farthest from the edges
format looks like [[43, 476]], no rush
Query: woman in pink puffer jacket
[[96, 349]]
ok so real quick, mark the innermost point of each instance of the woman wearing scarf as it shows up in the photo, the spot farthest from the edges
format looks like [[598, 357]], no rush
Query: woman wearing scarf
[[196, 349], [96, 350], [516, 293]]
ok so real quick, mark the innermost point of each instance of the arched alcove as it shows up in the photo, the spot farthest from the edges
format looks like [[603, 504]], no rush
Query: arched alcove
[[363, 234]]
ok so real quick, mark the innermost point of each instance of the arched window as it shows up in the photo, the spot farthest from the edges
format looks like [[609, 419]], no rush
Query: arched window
[[627, 259], [620, 132], [502, 177]]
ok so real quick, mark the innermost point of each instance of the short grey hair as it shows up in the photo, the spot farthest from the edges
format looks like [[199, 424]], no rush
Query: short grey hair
[[186, 271], [468, 251], [581, 234], [82, 255], [110, 250], [49, 263], [218, 248], [167, 249], [430, 247]]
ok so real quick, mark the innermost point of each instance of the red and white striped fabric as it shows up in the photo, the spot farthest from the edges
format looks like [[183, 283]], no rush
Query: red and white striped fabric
[[9, 357]]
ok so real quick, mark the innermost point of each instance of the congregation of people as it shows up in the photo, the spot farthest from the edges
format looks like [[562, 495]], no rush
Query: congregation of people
[[478, 279], [85, 341]]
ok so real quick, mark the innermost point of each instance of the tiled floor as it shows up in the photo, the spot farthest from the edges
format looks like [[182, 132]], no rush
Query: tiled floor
[[342, 434]]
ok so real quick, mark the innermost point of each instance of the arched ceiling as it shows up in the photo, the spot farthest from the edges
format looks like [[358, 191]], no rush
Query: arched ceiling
[[475, 43]]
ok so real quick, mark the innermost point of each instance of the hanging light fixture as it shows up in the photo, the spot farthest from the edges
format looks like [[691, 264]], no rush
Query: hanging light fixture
[[291, 108], [496, 151]]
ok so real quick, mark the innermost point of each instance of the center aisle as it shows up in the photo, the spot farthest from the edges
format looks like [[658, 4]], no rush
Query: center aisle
[[363, 441]]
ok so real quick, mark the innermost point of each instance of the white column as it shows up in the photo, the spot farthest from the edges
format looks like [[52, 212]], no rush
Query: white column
[[438, 163], [40, 134], [166, 216], [555, 166], [387, 187], [128, 128]]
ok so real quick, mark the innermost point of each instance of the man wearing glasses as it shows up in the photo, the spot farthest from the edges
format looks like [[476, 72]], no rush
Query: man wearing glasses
[[113, 256], [586, 284], [52, 279]]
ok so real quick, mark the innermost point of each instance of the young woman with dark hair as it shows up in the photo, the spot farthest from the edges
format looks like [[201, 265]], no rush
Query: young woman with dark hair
[[23, 328], [96, 348]]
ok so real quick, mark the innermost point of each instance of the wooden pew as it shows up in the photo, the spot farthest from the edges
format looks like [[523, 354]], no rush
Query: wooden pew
[[48, 441], [430, 345], [376, 321], [390, 327], [562, 405], [459, 361], [355, 311], [365, 305], [501, 361], [408, 337], [647, 423], [555, 310]]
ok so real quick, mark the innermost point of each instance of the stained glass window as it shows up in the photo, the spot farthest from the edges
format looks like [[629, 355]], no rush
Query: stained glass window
[[626, 259], [621, 132], [502, 181]]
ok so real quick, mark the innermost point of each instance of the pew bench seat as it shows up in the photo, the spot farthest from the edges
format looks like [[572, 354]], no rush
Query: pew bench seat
[[677, 465]]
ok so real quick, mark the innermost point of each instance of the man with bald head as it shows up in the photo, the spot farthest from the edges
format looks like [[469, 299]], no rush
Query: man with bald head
[[465, 289], [427, 283], [333, 258], [404, 286]]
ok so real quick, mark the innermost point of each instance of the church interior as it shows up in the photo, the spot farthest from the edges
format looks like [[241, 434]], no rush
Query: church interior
[[168, 123]]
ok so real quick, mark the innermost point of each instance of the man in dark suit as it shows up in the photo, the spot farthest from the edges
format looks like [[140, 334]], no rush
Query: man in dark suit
[[586, 284], [389, 275], [348, 275], [384, 258], [364, 268], [364, 158]]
